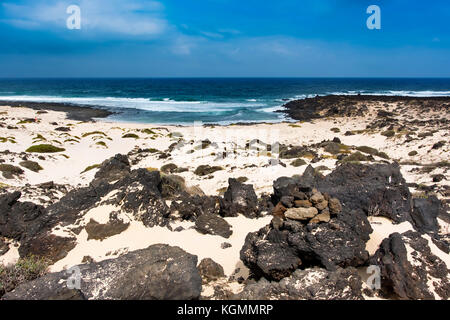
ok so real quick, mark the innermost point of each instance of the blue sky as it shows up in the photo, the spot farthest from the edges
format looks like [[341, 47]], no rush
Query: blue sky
[[224, 38]]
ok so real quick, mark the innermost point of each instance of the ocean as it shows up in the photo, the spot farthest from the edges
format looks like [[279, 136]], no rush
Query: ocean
[[210, 100]]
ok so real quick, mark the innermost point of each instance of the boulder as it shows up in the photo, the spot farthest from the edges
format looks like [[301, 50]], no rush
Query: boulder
[[213, 224], [187, 207], [425, 213], [98, 231], [159, 272], [239, 199], [210, 270], [31, 165], [10, 171]]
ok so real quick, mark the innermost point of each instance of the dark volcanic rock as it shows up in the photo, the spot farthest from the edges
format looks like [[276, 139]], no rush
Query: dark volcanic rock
[[31, 165], [310, 284], [63, 129], [425, 213], [239, 199], [158, 272], [45, 244], [114, 168], [30, 224], [355, 105], [377, 189], [19, 219], [100, 231], [74, 112], [210, 270], [191, 207], [10, 171], [275, 253], [213, 224], [407, 264]]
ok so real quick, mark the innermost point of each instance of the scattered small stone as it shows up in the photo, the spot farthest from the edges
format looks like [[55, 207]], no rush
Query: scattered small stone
[[225, 245], [303, 203]]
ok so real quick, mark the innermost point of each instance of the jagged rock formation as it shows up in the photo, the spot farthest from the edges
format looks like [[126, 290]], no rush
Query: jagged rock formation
[[408, 267]]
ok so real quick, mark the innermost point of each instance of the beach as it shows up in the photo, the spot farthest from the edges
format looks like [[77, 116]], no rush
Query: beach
[[410, 132]]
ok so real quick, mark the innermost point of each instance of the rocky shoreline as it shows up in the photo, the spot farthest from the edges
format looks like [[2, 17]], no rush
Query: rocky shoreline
[[360, 184], [73, 112]]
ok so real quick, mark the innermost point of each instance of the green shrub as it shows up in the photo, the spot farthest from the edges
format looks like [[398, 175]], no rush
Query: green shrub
[[355, 157], [388, 133], [101, 143], [90, 168], [130, 135], [148, 131], [44, 148], [298, 162], [367, 149]]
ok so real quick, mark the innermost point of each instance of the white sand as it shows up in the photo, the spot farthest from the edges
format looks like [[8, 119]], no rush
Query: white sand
[[137, 236], [382, 229]]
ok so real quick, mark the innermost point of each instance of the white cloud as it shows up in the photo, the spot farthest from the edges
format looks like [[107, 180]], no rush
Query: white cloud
[[110, 16]]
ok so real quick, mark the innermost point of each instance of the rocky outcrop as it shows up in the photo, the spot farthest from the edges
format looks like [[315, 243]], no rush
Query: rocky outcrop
[[277, 250], [239, 199], [354, 105], [158, 272], [19, 219], [408, 267], [310, 284]]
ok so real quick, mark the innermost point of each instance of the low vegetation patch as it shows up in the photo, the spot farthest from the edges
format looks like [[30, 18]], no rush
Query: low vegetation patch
[[356, 157], [101, 143], [87, 134], [388, 133], [298, 162], [44, 148], [90, 168], [130, 135], [26, 269], [204, 170]]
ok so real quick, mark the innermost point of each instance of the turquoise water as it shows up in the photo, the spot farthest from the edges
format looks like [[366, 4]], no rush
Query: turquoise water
[[208, 100]]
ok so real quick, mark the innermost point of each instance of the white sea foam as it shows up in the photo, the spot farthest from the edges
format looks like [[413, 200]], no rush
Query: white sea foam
[[407, 93], [165, 105]]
